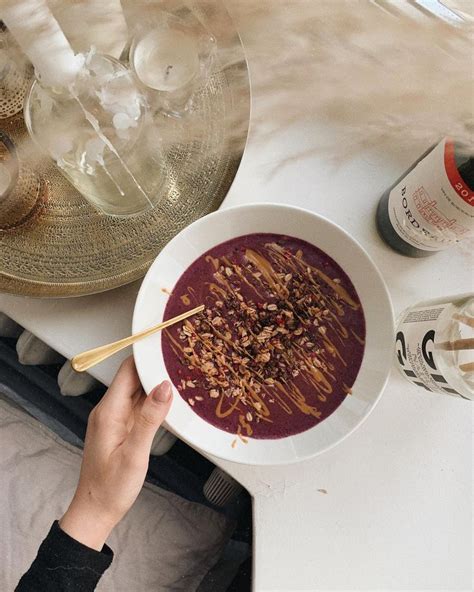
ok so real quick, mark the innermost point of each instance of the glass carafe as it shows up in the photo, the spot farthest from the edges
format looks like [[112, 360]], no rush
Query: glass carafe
[[101, 137]]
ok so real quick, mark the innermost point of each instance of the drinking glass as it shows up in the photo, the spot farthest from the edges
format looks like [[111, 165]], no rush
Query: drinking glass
[[22, 191], [172, 59], [100, 136]]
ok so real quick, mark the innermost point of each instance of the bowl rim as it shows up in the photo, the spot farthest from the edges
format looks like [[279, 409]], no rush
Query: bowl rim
[[284, 208]]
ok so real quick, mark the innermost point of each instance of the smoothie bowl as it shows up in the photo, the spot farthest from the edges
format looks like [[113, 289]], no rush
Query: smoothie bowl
[[293, 348]]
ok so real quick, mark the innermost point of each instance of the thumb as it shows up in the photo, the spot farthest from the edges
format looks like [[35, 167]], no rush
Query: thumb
[[149, 418]]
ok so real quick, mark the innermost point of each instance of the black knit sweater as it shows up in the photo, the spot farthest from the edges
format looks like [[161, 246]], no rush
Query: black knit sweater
[[65, 565]]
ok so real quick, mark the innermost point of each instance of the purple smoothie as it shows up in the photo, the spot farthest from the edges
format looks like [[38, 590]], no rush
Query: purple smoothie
[[281, 340]]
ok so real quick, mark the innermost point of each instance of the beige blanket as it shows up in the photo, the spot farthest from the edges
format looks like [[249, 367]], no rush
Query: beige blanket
[[164, 544]]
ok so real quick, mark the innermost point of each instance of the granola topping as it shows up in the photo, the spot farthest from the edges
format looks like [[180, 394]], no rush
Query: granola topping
[[274, 339]]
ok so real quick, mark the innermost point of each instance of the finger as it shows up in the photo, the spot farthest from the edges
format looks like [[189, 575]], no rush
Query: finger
[[137, 400], [117, 401], [138, 396], [148, 419]]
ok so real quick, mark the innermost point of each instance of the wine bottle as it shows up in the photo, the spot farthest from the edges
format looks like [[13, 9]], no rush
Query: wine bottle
[[431, 207]]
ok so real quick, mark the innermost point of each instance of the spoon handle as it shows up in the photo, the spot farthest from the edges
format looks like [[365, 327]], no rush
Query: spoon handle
[[90, 358]]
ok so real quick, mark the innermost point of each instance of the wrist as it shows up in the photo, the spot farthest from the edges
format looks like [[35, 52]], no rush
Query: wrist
[[86, 524]]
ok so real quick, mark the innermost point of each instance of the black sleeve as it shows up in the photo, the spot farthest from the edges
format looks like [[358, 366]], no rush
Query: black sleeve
[[63, 564]]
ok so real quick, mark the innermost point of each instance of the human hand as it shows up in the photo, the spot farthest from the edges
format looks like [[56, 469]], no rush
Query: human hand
[[119, 435]]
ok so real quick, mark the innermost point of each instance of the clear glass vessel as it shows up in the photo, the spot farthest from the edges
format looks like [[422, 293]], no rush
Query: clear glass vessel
[[172, 59], [101, 137], [435, 345], [22, 191]]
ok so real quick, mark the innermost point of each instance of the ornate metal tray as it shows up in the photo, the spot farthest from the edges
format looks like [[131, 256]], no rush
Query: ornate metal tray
[[71, 249]]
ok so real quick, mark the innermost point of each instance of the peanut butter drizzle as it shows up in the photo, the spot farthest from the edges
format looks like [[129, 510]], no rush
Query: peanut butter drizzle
[[337, 288], [311, 380], [285, 260], [357, 338], [227, 412], [178, 349], [299, 400], [340, 330], [215, 289], [269, 272], [238, 270], [265, 268], [297, 264], [239, 434], [340, 291], [245, 425], [213, 261], [264, 410], [332, 349], [320, 382]]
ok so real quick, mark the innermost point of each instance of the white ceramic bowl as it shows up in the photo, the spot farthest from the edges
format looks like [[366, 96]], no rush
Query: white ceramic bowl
[[223, 225]]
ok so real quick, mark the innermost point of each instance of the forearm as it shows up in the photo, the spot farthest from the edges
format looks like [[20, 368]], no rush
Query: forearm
[[64, 563], [120, 432], [86, 525]]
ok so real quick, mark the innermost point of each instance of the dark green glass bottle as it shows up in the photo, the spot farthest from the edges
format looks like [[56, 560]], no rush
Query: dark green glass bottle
[[431, 206]]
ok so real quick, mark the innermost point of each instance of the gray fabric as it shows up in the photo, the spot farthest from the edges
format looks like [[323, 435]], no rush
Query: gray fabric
[[226, 569], [10, 396], [72, 383], [32, 351], [164, 544]]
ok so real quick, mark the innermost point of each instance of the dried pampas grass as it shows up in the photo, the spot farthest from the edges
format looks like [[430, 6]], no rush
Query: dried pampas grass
[[364, 66], [387, 79]]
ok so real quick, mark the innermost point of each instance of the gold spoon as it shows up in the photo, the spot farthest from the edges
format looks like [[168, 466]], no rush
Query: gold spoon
[[90, 358]]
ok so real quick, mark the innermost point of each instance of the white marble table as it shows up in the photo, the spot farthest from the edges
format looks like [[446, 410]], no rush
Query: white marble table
[[390, 507]]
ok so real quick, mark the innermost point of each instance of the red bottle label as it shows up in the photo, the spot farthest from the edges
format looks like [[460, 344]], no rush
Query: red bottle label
[[432, 207], [457, 182]]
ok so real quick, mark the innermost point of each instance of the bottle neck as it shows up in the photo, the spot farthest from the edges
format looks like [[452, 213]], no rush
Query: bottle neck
[[466, 170], [465, 165]]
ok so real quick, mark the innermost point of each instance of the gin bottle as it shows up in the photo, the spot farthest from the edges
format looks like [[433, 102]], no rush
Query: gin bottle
[[435, 345]]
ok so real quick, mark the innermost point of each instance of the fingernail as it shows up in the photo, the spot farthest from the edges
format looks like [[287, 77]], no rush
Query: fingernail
[[162, 393]]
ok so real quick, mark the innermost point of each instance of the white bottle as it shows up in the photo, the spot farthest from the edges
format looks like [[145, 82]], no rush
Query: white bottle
[[435, 345]]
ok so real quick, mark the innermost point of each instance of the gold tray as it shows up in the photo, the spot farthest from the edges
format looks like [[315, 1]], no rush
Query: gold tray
[[71, 249]]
